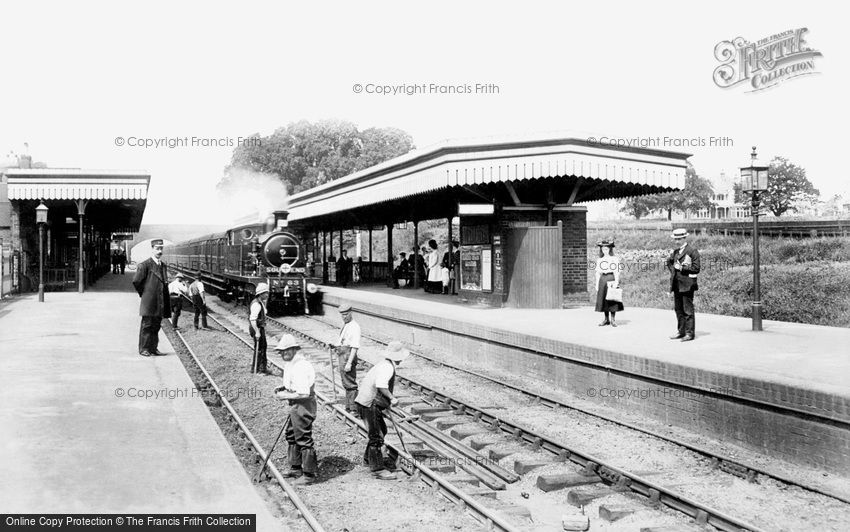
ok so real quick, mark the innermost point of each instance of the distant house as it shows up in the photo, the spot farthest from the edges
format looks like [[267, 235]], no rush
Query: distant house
[[723, 200]]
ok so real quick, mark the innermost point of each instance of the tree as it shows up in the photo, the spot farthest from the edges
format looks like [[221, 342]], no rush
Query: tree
[[303, 154], [787, 185], [694, 196], [640, 206]]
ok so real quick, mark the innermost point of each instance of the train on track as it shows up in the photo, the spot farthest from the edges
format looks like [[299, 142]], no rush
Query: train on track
[[232, 263]]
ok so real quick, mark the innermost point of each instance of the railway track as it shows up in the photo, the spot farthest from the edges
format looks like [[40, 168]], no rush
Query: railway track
[[477, 469], [409, 459], [210, 387], [440, 408], [721, 461]]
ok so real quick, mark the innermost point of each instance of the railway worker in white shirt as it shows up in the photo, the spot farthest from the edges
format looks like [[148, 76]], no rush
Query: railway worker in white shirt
[[375, 396], [199, 300], [257, 326], [347, 347], [299, 379], [177, 290], [608, 269]]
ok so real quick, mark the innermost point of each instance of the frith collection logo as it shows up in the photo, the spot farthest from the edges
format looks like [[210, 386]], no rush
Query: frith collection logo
[[765, 63]]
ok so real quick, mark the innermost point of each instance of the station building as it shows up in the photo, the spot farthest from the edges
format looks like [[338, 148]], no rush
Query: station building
[[87, 212], [523, 227]]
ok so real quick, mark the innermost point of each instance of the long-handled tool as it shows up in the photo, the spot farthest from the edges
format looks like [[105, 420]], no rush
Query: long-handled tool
[[398, 432], [269, 455], [333, 373], [255, 361]]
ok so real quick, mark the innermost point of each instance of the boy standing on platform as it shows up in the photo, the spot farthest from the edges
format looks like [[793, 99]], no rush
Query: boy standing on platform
[[347, 347]]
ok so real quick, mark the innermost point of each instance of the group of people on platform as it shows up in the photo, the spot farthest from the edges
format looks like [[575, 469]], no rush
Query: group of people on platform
[[118, 260], [684, 267], [436, 272]]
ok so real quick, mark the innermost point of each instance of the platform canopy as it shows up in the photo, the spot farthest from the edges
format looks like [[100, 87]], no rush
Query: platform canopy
[[115, 199], [530, 172]]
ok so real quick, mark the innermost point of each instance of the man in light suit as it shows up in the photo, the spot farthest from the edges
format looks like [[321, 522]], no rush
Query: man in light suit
[[684, 266], [151, 282]]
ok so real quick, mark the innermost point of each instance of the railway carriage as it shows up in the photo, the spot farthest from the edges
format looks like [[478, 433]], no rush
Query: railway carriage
[[233, 262]]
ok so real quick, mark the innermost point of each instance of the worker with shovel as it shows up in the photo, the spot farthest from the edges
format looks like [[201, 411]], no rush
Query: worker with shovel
[[299, 379], [374, 397]]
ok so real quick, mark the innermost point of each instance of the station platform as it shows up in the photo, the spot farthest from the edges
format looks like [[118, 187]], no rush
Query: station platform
[[784, 391], [77, 438]]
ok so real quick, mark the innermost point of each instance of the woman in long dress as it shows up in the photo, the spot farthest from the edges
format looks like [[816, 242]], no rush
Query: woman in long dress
[[435, 277], [608, 268]]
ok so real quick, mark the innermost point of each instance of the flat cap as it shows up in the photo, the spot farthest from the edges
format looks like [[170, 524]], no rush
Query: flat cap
[[344, 307]]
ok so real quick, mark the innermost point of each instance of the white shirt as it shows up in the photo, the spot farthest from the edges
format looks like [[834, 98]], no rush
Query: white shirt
[[177, 287], [299, 375], [196, 288], [378, 376], [256, 305], [350, 334]]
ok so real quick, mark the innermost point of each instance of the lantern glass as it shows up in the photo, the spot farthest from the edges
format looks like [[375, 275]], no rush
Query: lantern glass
[[41, 214], [761, 181], [747, 179]]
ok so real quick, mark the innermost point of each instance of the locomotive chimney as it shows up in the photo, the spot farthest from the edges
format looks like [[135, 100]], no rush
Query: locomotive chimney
[[280, 219]]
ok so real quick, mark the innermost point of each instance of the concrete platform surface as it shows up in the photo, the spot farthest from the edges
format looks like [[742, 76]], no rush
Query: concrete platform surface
[[74, 439], [794, 353]]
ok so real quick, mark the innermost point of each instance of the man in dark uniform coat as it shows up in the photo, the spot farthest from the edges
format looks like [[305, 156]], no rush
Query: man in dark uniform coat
[[684, 266], [151, 282]]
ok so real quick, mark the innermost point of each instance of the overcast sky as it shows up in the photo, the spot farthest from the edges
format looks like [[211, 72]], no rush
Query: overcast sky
[[76, 76]]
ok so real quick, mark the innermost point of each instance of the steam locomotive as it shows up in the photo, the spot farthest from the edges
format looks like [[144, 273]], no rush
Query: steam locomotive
[[231, 264]]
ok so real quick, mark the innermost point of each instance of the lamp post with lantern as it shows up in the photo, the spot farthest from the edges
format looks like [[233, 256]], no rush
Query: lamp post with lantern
[[41, 221], [754, 180]]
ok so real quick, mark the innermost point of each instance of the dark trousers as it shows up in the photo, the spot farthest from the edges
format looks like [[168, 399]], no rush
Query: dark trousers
[[376, 427], [349, 379], [683, 303], [262, 345], [299, 435], [176, 309], [200, 311], [122, 268], [149, 333]]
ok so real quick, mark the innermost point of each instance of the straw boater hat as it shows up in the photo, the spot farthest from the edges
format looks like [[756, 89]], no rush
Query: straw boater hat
[[395, 352], [606, 243], [262, 288], [679, 233], [286, 341]]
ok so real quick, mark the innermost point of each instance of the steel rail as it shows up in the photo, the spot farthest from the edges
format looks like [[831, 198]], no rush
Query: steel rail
[[303, 509], [721, 461], [481, 513], [703, 514]]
